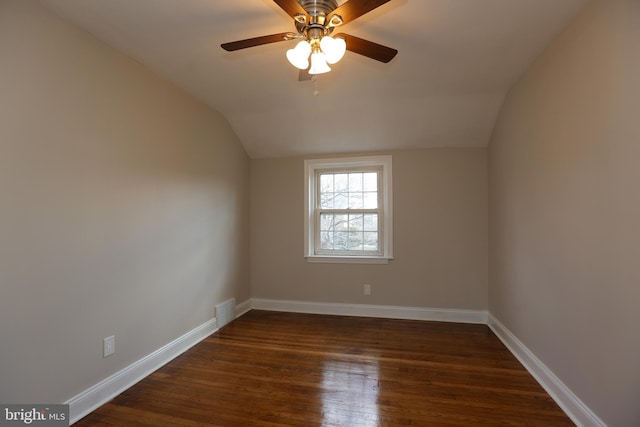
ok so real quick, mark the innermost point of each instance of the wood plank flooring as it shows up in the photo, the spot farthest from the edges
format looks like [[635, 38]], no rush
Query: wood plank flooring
[[284, 369]]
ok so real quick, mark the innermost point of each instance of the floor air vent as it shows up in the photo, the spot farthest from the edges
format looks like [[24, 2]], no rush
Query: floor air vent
[[225, 312]]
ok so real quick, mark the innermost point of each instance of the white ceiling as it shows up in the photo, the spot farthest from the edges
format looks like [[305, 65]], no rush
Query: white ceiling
[[457, 60]]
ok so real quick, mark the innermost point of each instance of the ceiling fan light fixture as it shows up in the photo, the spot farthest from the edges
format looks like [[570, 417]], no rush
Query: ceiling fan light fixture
[[333, 48], [319, 64], [315, 21], [299, 56]]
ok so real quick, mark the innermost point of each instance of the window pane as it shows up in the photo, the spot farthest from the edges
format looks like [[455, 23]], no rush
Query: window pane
[[341, 201], [341, 182], [341, 223], [355, 241], [370, 222], [355, 201], [356, 222], [326, 222], [370, 181], [341, 240], [326, 239], [326, 183], [370, 241], [370, 200], [355, 182], [327, 200]]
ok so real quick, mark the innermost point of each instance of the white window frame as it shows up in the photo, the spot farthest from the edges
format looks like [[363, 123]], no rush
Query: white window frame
[[385, 209]]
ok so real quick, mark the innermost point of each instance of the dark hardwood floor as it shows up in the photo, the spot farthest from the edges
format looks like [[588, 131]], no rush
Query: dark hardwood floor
[[283, 369]]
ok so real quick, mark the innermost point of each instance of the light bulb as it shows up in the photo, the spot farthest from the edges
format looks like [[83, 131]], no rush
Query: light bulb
[[334, 49], [318, 64], [299, 56]]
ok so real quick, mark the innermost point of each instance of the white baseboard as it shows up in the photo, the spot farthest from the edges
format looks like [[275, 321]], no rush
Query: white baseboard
[[383, 311], [563, 396], [99, 394], [96, 396], [243, 308]]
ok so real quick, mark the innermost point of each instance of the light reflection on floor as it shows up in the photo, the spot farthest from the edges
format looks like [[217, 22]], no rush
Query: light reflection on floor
[[350, 393]]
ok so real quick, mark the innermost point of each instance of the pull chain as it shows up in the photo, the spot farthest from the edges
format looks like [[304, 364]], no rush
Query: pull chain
[[315, 85]]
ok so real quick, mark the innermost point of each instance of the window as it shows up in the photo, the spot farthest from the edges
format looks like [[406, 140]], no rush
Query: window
[[348, 210]]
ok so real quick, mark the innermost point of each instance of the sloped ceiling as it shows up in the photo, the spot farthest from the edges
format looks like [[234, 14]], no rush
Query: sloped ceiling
[[457, 60]]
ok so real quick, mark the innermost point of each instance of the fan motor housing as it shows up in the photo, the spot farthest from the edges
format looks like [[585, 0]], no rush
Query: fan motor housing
[[318, 10]]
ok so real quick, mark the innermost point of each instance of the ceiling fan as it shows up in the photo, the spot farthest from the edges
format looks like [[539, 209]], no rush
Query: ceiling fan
[[315, 22]]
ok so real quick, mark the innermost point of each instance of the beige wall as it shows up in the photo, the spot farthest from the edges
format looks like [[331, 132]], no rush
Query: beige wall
[[440, 236], [565, 209], [123, 209]]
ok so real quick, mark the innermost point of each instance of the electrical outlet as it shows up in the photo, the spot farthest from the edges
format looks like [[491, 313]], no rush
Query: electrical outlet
[[366, 288], [108, 346]]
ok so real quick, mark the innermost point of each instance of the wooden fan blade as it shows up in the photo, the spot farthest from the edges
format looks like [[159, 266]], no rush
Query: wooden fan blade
[[354, 9], [292, 7], [369, 49], [256, 41]]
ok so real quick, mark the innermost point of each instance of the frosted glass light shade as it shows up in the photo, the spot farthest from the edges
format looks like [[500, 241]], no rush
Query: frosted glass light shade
[[299, 56], [333, 48], [319, 64]]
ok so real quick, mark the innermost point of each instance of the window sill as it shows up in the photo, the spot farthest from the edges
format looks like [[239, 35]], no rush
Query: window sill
[[347, 260]]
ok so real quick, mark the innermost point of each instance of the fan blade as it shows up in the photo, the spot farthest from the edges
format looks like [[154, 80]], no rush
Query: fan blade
[[369, 49], [292, 7], [256, 41], [354, 9]]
